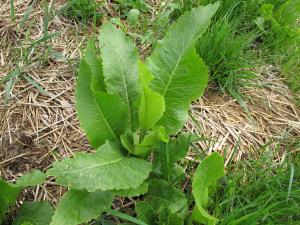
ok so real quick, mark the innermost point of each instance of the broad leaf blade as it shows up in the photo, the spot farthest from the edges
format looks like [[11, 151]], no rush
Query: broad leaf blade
[[208, 172], [166, 154], [120, 68], [77, 207], [101, 115], [180, 76], [152, 105], [8, 196], [175, 219], [145, 212], [96, 67], [35, 213], [31, 179], [131, 192], [106, 169], [162, 197], [156, 135], [10, 192]]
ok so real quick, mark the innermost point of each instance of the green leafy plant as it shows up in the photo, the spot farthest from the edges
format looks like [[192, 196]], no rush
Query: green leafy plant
[[128, 110], [29, 211], [126, 5], [259, 191], [133, 17], [34, 213], [32, 53], [82, 10], [165, 203], [146, 27], [279, 23], [227, 54], [209, 171], [131, 11]]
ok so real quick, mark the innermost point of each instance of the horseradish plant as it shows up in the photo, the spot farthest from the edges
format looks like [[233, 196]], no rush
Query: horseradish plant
[[9, 193], [129, 109]]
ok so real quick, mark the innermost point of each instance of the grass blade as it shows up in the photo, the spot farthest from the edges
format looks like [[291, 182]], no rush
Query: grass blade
[[10, 75], [36, 85], [12, 11], [8, 89], [26, 15], [42, 39], [125, 216], [291, 180], [45, 38]]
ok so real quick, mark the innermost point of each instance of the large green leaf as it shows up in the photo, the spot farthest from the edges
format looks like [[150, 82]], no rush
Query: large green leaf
[[8, 195], [166, 154], [166, 200], [77, 207], [156, 135], [152, 105], [35, 213], [101, 115], [31, 179], [175, 219], [208, 172], [106, 169], [120, 68], [145, 212], [180, 76], [131, 192], [10, 192], [96, 67]]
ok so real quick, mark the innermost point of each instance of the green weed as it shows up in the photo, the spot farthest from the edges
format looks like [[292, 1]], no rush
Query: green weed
[[82, 10], [280, 39], [228, 55], [259, 192], [267, 27], [125, 5], [34, 51], [129, 111]]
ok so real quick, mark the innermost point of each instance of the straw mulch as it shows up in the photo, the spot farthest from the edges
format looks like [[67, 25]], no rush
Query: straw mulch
[[37, 129], [271, 119]]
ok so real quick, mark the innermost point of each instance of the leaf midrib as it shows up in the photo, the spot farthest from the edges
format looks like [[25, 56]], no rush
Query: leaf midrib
[[124, 82], [91, 167], [184, 50], [172, 75], [105, 121]]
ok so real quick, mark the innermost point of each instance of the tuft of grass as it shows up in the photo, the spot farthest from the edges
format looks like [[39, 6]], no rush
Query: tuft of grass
[[34, 52], [227, 46], [124, 6], [82, 10], [12, 11], [260, 191], [243, 11], [280, 39], [228, 55]]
